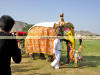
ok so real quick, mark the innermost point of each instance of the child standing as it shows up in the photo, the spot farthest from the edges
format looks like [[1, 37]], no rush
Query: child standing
[[57, 52]]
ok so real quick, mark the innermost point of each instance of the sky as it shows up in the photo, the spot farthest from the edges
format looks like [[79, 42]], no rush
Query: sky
[[84, 14]]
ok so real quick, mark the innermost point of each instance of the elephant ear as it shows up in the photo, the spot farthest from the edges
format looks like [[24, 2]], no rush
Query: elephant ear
[[69, 25]]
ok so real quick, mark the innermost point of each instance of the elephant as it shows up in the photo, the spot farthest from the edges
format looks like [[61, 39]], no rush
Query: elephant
[[40, 37], [44, 45]]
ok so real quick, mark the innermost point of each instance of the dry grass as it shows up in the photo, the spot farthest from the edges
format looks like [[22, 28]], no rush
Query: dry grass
[[90, 65]]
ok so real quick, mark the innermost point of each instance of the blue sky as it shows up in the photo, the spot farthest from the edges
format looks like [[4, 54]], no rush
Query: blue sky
[[84, 14]]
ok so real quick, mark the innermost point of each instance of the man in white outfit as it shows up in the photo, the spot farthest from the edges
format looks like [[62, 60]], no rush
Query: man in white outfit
[[57, 52]]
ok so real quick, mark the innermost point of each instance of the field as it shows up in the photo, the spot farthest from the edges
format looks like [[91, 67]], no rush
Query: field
[[89, 66]]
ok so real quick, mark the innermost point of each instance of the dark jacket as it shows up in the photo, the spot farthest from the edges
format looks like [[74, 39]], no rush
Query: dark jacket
[[8, 49]]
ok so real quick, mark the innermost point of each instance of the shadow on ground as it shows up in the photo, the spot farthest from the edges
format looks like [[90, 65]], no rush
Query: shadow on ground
[[40, 74], [22, 68], [88, 61]]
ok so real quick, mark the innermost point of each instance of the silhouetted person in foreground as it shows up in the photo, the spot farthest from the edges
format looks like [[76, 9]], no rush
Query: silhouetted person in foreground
[[8, 47]]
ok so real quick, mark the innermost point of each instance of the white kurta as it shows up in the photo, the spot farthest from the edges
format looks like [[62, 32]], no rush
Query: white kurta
[[57, 52]]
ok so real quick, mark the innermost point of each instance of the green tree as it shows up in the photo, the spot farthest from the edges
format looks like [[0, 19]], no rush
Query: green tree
[[26, 28]]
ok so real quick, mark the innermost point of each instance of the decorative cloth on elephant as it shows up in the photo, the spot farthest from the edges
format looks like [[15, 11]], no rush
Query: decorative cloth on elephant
[[40, 45]]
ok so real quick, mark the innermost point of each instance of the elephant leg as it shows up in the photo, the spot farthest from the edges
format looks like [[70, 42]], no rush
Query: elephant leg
[[50, 58], [42, 56], [68, 50], [68, 59], [32, 55]]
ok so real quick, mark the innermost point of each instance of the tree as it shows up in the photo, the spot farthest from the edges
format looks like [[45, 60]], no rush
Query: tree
[[27, 27]]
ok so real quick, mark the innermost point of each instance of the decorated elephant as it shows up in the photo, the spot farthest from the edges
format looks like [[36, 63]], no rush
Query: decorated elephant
[[37, 39]]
